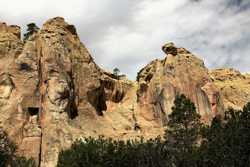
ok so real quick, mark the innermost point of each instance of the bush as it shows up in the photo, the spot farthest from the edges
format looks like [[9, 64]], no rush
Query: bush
[[7, 154], [103, 152]]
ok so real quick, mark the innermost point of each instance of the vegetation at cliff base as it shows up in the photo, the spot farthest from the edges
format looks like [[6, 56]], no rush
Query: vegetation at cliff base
[[227, 141], [8, 158], [187, 143], [103, 152], [183, 131]]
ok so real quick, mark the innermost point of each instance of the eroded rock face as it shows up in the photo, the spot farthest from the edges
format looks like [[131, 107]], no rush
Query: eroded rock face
[[52, 92], [234, 86], [179, 72], [19, 90], [6, 86]]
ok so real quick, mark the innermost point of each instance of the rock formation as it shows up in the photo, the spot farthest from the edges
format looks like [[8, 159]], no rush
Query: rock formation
[[52, 92], [234, 86], [179, 72]]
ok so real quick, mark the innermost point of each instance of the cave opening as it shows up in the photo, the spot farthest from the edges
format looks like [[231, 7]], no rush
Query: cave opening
[[73, 112], [101, 104], [33, 111], [25, 66], [97, 99]]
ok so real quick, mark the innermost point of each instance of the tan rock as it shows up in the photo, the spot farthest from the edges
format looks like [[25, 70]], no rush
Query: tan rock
[[52, 92], [170, 48], [13, 29], [234, 87]]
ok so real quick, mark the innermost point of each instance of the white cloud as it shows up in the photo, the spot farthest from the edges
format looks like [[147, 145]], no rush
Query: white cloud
[[128, 34]]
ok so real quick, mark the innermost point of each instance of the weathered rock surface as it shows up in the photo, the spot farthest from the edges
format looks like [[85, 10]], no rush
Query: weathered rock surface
[[179, 72], [234, 86], [52, 92]]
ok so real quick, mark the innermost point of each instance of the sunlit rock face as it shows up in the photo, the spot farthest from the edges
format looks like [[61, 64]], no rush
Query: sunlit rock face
[[52, 92], [180, 72], [234, 86]]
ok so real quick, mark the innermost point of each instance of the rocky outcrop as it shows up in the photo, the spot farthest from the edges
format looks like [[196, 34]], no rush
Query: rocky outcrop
[[19, 90], [234, 87], [179, 72], [52, 92]]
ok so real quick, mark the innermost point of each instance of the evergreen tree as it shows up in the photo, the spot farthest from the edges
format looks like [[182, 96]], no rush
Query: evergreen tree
[[227, 142], [183, 132], [103, 152], [237, 136], [116, 71], [210, 152], [32, 28]]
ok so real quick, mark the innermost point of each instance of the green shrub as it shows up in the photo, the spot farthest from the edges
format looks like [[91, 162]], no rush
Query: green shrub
[[103, 152], [8, 158]]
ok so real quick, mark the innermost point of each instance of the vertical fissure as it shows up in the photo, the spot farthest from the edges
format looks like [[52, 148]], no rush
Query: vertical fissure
[[39, 69], [73, 112], [40, 151]]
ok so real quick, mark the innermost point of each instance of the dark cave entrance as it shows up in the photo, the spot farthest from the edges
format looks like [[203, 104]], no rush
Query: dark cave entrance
[[33, 111], [97, 99]]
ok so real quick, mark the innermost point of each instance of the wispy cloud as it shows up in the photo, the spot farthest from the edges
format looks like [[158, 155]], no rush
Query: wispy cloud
[[128, 34]]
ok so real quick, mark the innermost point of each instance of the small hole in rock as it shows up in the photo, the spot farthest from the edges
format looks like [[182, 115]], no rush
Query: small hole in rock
[[33, 111], [25, 66]]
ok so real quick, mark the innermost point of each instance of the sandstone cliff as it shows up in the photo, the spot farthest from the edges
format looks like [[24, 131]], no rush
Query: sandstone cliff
[[234, 86], [52, 92], [179, 72]]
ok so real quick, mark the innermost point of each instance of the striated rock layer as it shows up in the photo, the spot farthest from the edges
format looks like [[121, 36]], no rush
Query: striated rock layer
[[52, 92]]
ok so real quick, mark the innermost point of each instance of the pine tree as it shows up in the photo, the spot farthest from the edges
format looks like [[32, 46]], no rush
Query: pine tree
[[183, 131], [227, 142], [210, 152], [32, 28], [103, 152], [116, 71]]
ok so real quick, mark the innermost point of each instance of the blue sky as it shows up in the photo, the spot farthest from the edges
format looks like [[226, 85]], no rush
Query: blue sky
[[129, 33]]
